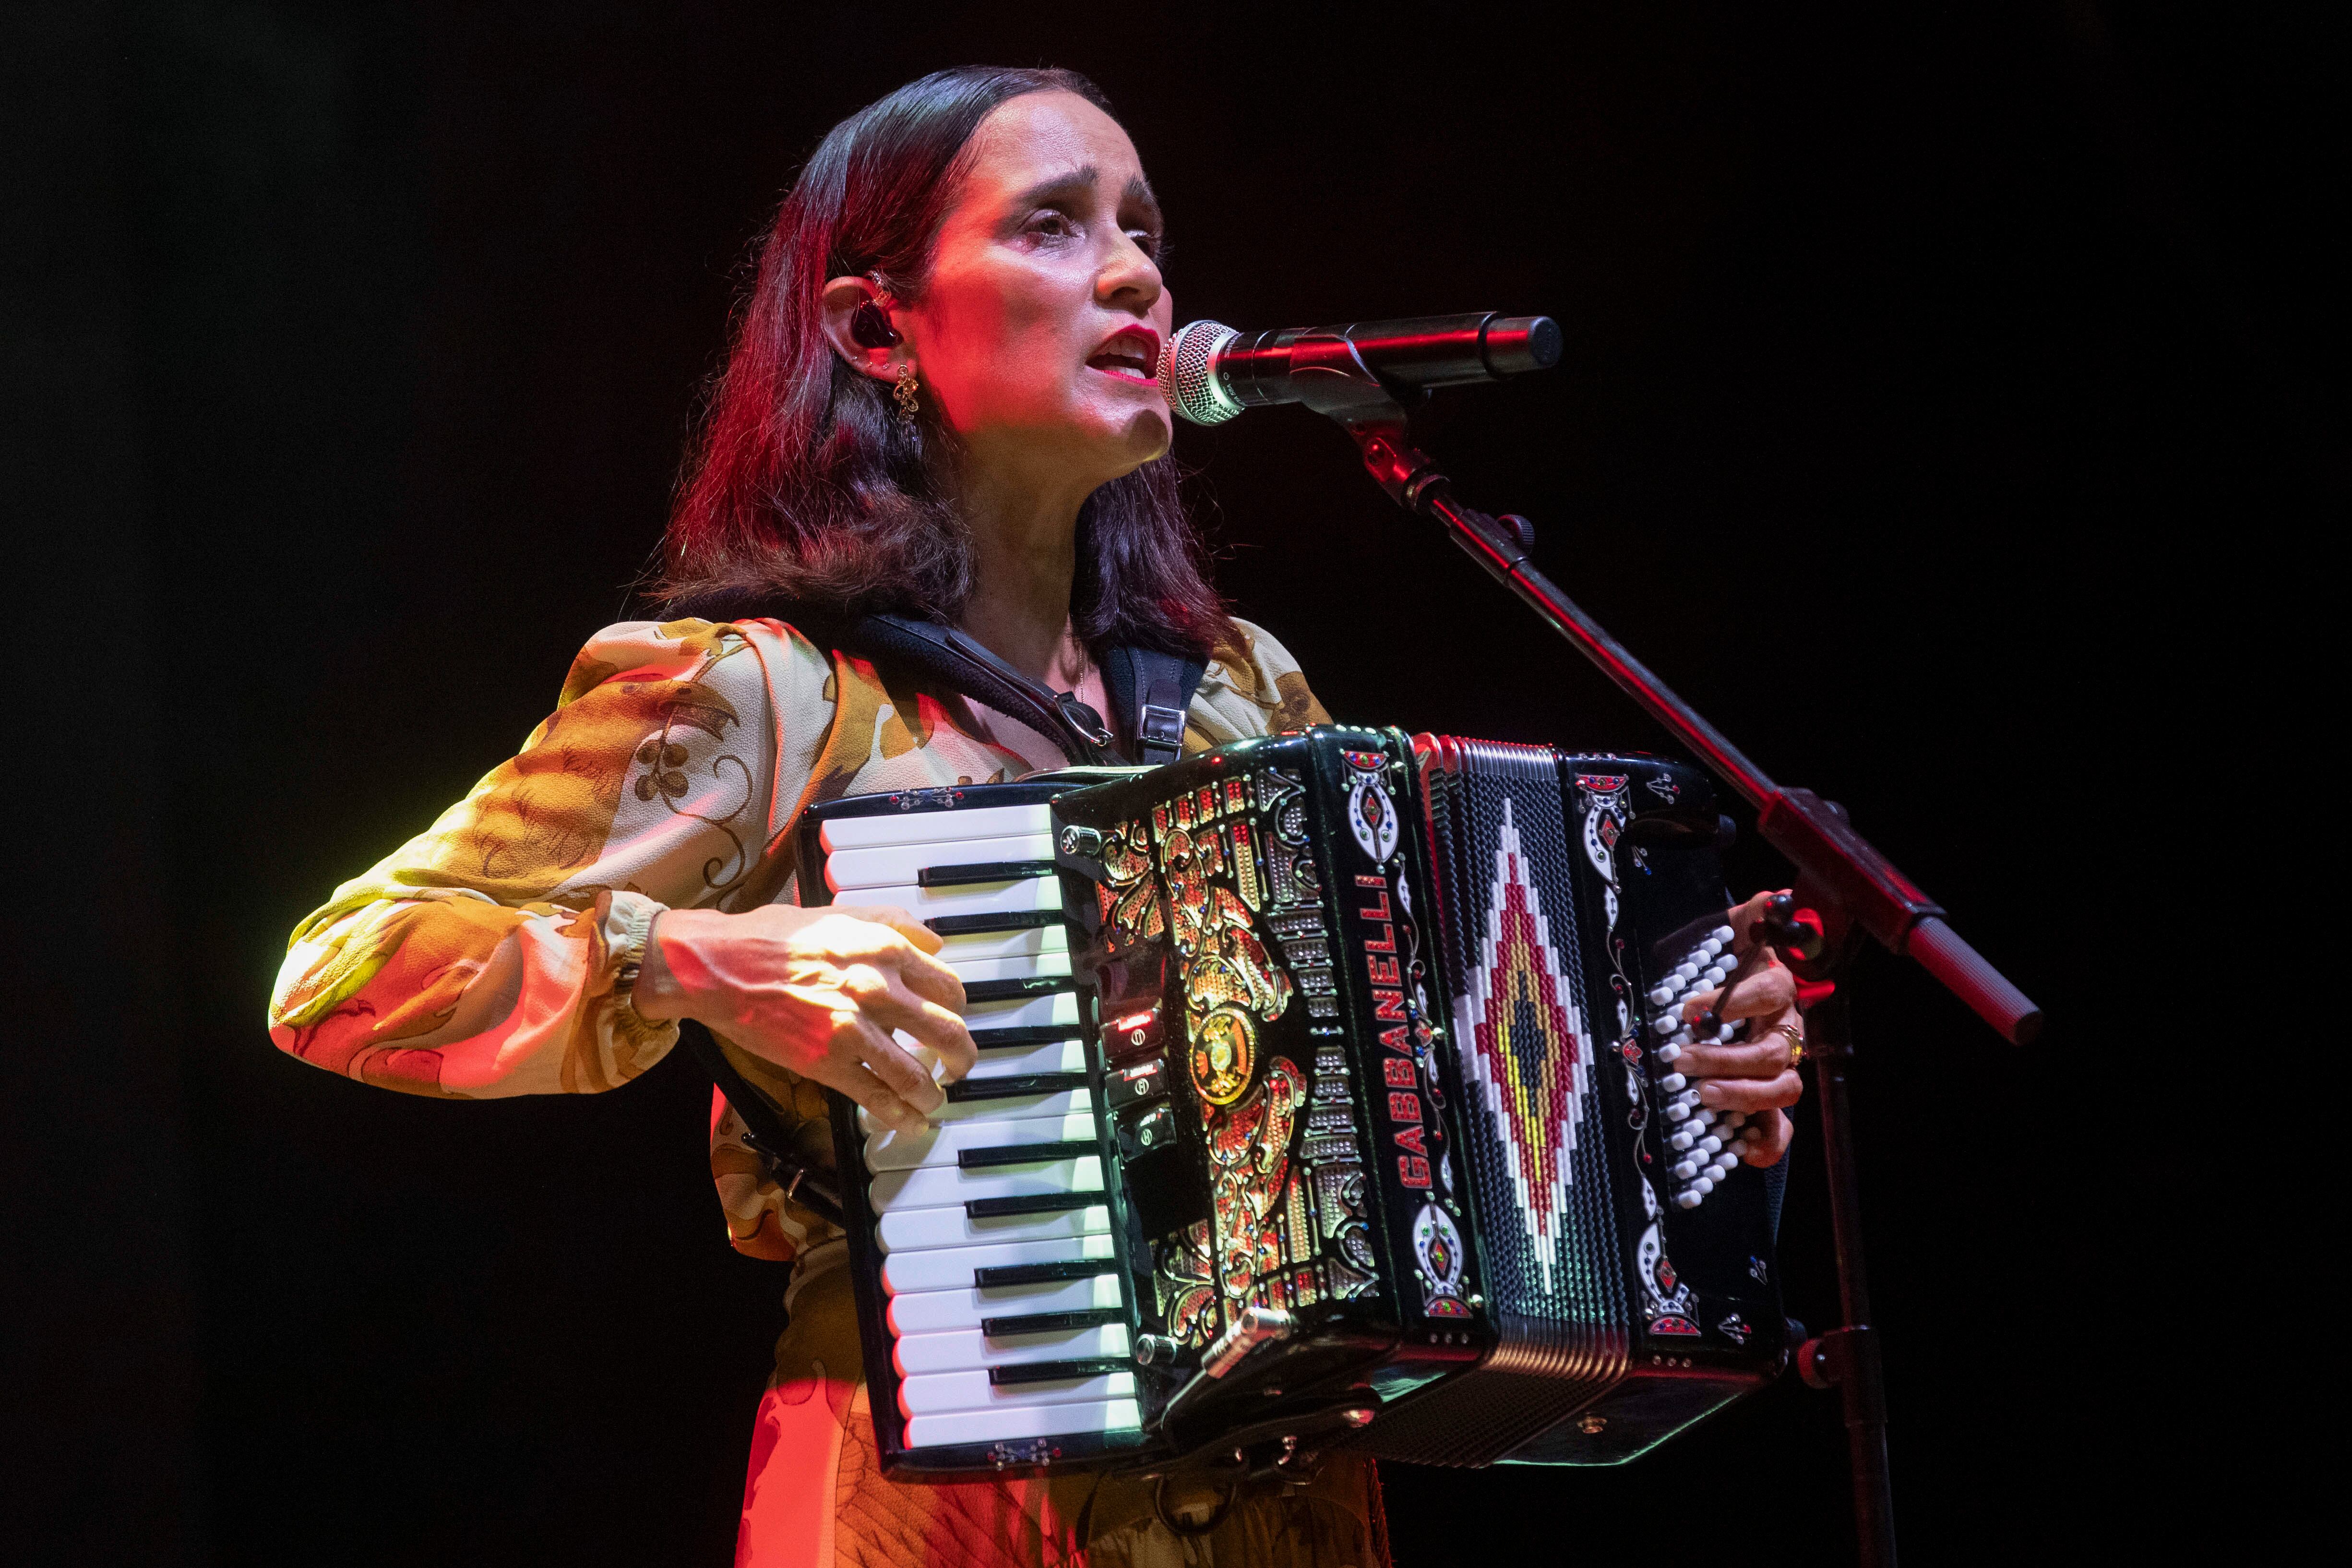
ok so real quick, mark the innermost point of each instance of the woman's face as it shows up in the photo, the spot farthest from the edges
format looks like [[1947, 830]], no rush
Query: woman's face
[[1038, 336]]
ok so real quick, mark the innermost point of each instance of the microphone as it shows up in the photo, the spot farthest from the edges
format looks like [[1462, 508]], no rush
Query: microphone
[[1211, 373]]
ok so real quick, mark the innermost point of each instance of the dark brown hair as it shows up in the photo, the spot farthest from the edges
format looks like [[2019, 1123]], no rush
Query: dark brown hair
[[805, 490]]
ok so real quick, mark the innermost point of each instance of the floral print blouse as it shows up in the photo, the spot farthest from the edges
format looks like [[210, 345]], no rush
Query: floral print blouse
[[478, 958]]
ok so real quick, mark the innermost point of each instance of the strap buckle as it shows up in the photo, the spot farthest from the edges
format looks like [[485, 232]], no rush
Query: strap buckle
[[1162, 729]]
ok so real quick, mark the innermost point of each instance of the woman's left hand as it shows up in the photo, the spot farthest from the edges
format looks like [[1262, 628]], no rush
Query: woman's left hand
[[1758, 1075]]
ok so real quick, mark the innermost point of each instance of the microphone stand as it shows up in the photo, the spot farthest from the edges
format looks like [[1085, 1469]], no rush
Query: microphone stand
[[1848, 890]]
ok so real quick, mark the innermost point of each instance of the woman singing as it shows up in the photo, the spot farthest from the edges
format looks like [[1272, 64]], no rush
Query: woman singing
[[939, 403]]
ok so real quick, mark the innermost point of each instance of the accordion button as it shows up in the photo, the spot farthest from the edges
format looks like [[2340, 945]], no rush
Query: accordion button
[[1685, 1171], [1687, 972], [1688, 1198], [1703, 1186], [1667, 1054], [1661, 995], [1722, 934], [1682, 1141]]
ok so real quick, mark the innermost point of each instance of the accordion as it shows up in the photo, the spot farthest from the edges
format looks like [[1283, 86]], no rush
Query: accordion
[[1324, 1098]]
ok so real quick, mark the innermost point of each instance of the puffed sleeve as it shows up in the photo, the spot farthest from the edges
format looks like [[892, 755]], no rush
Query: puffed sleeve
[[480, 959], [1255, 689]]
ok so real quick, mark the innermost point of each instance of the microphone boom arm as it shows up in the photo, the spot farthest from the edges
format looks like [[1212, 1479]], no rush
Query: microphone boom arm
[[1839, 864], [1851, 887]]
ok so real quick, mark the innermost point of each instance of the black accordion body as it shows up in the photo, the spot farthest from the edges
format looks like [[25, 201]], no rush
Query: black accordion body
[[1320, 1102]]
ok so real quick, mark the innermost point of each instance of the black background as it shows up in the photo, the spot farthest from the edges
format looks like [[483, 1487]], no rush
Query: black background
[[1943, 392]]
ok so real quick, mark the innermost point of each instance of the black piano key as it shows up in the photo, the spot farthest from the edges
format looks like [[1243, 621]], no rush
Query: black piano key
[[1042, 1273], [1022, 985], [978, 925], [1024, 1154], [1051, 1322], [1032, 1202], [1013, 1085], [981, 871], [1030, 1034], [1059, 1370]]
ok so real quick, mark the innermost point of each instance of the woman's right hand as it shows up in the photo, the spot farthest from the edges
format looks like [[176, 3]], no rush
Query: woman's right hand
[[820, 991]]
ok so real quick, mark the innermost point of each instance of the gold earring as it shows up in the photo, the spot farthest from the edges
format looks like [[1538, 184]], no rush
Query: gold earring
[[909, 405]]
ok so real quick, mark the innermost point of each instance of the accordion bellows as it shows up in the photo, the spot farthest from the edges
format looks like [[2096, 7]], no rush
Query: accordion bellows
[[1320, 1100]]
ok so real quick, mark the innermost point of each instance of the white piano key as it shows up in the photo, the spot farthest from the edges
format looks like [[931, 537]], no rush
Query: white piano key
[[1017, 968], [934, 1311], [894, 865], [940, 1145], [951, 1267], [910, 1230], [1024, 943], [964, 1349], [973, 898], [936, 1392], [1004, 1061], [1013, 1108], [1061, 1055], [937, 1186], [935, 827], [1017, 1422], [1057, 1009]]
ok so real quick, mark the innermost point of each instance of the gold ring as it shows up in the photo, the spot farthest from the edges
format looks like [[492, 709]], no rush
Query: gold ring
[[1796, 1041]]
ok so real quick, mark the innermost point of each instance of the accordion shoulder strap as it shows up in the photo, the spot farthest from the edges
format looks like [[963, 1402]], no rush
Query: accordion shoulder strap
[[1155, 688], [1152, 689], [807, 1185], [963, 664]]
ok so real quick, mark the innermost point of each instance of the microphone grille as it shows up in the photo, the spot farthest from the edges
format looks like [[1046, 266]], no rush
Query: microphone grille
[[1188, 373]]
